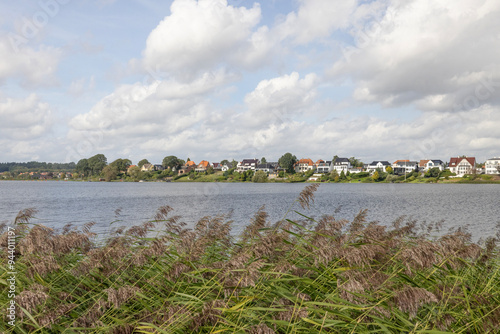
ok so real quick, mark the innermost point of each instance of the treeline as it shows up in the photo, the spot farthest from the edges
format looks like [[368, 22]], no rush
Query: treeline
[[35, 166]]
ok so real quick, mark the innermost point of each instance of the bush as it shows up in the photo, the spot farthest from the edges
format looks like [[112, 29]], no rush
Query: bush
[[260, 177], [360, 175]]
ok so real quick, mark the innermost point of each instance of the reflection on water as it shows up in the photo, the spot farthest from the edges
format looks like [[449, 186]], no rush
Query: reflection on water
[[59, 203]]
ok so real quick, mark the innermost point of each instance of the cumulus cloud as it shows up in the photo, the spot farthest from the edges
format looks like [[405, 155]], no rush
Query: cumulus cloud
[[200, 35], [23, 119], [28, 66], [433, 54], [316, 19]]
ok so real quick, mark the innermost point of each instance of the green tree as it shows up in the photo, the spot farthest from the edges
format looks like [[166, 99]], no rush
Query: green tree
[[355, 162], [135, 173], [97, 163], [110, 172], [260, 177], [287, 161], [121, 164], [433, 172], [263, 160], [171, 162], [342, 176], [334, 159], [82, 167], [375, 176], [224, 162], [210, 170], [143, 162]]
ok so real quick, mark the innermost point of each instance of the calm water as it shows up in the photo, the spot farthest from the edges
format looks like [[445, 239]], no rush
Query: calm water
[[59, 203]]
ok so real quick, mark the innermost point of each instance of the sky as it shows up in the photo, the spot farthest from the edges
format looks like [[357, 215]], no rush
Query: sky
[[235, 79]]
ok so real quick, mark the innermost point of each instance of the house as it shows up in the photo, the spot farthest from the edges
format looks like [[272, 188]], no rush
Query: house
[[269, 167], [401, 167], [202, 166], [304, 165], [188, 166], [216, 166], [462, 165], [372, 167], [158, 167], [226, 167], [492, 166], [342, 164], [147, 167], [425, 165], [324, 167], [247, 164]]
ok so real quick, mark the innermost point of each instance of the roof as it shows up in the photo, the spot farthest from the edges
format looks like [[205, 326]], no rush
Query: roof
[[305, 161], [249, 161], [422, 163], [203, 164], [190, 163], [455, 161], [267, 165], [319, 161], [341, 160], [216, 164], [385, 163], [494, 159], [398, 161]]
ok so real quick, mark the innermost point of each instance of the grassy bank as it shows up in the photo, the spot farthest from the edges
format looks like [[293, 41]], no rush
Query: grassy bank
[[302, 276]]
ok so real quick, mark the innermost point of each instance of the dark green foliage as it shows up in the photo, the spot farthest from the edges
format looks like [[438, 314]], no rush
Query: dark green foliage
[[433, 172], [287, 161]]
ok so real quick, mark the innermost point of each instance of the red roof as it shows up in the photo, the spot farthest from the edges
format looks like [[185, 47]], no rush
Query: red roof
[[190, 163], [305, 161], [455, 161], [422, 163], [203, 164], [397, 161]]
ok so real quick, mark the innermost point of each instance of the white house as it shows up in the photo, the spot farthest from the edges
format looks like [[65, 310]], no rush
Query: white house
[[425, 165], [492, 166], [324, 167], [462, 165], [372, 167], [226, 167], [342, 164], [401, 167], [247, 164], [269, 167], [304, 165]]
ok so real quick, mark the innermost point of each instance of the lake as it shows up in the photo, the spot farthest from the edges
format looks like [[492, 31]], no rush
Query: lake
[[59, 202]]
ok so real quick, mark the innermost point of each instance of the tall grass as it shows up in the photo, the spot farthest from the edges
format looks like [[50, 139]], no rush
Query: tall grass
[[301, 276]]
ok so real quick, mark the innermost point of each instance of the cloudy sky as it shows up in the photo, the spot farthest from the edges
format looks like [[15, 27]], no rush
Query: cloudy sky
[[224, 79]]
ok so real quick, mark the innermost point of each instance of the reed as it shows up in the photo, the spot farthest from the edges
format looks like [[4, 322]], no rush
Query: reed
[[293, 276]]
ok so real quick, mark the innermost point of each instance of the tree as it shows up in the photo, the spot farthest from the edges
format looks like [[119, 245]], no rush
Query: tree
[[97, 163], [375, 176], [143, 162], [389, 169], [121, 164], [172, 162], [287, 161], [355, 162], [82, 167], [134, 172], [433, 172], [334, 159], [342, 175], [263, 160], [210, 170], [110, 172], [260, 177], [224, 162]]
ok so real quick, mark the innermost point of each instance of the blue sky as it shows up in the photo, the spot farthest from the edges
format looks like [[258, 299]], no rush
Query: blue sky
[[233, 79]]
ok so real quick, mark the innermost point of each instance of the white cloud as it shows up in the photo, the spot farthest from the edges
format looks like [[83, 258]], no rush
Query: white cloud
[[316, 19], [26, 65], [23, 119], [434, 54], [199, 35]]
